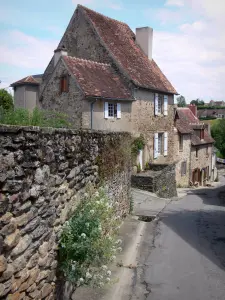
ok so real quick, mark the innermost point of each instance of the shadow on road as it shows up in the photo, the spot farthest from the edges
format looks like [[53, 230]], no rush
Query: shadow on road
[[203, 228]]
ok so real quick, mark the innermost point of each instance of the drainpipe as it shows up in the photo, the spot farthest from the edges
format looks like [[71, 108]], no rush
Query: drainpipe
[[92, 106]]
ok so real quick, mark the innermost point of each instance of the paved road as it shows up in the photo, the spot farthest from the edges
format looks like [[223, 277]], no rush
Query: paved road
[[186, 258]]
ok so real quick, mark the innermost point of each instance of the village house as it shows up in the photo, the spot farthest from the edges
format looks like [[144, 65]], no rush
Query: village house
[[195, 158], [26, 92], [104, 77]]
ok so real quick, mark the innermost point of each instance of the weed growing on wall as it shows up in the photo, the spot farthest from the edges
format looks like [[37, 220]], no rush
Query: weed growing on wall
[[89, 242]]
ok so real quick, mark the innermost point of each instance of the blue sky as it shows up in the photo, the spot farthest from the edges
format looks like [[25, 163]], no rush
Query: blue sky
[[188, 45]]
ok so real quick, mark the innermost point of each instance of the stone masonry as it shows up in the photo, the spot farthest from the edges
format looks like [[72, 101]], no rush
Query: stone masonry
[[43, 174]]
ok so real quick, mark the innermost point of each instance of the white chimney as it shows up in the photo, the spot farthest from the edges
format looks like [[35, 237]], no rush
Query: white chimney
[[58, 53], [144, 37]]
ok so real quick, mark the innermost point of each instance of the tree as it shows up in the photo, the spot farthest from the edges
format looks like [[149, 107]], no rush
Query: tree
[[6, 99], [198, 102], [181, 102], [218, 133]]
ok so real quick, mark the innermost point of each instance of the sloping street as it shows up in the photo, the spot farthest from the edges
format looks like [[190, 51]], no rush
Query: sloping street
[[185, 258]]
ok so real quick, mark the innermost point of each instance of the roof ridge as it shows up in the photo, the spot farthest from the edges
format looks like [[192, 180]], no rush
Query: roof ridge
[[89, 60], [106, 17]]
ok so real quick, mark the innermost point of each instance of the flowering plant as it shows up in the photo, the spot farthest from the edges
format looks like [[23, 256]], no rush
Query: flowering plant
[[89, 241]]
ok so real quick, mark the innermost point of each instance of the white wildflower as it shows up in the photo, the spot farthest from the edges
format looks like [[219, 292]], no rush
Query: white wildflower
[[85, 195], [83, 235], [100, 284], [113, 258], [87, 224], [100, 228], [119, 242], [109, 273], [117, 217], [88, 275], [97, 202], [92, 211], [96, 194], [119, 249], [108, 279], [104, 267], [73, 267], [81, 280]]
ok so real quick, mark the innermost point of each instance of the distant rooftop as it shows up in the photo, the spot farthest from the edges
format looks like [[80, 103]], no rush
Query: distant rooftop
[[30, 80]]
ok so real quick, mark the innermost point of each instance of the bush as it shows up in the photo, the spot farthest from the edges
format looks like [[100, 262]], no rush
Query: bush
[[89, 241], [42, 118], [6, 99], [137, 145]]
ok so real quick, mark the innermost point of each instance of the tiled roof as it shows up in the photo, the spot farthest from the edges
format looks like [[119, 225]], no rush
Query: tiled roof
[[120, 41], [32, 79], [187, 122], [97, 79]]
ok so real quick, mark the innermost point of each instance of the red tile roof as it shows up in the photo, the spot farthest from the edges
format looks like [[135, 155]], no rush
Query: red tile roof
[[32, 79], [186, 122], [120, 41], [97, 79]]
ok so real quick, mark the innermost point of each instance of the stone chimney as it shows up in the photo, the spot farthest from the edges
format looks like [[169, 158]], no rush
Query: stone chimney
[[193, 108], [144, 37], [58, 53]]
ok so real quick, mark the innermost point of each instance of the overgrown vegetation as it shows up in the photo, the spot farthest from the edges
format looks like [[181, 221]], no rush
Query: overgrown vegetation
[[211, 107], [181, 101], [218, 133], [138, 144], [42, 118], [89, 241], [6, 99], [207, 118]]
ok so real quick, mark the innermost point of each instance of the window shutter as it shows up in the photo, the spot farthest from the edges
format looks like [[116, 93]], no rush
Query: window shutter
[[118, 110], [67, 82], [106, 110], [156, 104], [165, 143], [165, 105], [61, 84], [156, 137]]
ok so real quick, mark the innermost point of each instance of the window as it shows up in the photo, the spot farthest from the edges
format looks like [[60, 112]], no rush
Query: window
[[196, 152], [207, 150], [183, 168], [64, 84], [181, 142], [112, 110], [161, 104], [160, 143]]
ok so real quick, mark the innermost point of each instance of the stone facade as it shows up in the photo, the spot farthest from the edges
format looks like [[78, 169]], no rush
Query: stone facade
[[69, 102], [181, 156], [145, 122], [203, 160], [43, 174]]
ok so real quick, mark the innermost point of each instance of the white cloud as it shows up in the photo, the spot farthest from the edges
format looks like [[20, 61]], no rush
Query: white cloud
[[178, 3], [21, 50]]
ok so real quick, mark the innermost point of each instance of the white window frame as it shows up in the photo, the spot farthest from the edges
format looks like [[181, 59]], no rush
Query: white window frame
[[116, 107], [184, 163], [165, 143], [160, 144]]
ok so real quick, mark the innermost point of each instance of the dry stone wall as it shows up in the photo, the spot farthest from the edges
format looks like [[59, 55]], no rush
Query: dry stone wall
[[43, 173]]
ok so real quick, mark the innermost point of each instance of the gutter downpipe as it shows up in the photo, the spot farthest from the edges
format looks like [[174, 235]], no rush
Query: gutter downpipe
[[92, 106]]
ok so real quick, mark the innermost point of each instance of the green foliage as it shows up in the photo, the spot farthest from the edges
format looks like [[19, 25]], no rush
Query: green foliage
[[89, 242], [207, 118], [137, 145], [181, 102], [42, 118], [219, 155], [211, 107], [131, 204], [6, 99], [147, 167], [139, 168], [218, 133], [198, 102]]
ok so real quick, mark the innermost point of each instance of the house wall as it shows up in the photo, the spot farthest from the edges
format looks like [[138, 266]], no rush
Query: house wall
[[98, 120], [19, 96], [31, 97], [145, 122], [203, 160], [181, 156], [69, 102]]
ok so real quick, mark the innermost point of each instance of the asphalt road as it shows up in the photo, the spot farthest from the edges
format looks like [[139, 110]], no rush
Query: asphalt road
[[185, 260]]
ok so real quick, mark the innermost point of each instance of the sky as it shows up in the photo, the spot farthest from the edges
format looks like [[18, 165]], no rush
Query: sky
[[188, 42]]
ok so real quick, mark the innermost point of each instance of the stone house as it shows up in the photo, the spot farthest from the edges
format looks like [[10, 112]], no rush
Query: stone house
[[195, 162], [26, 92], [103, 76]]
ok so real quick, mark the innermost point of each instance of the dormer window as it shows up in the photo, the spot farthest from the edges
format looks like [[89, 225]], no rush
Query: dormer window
[[64, 84]]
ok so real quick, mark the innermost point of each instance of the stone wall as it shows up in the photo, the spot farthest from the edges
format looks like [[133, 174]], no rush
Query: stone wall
[[160, 179], [69, 102], [43, 173]]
